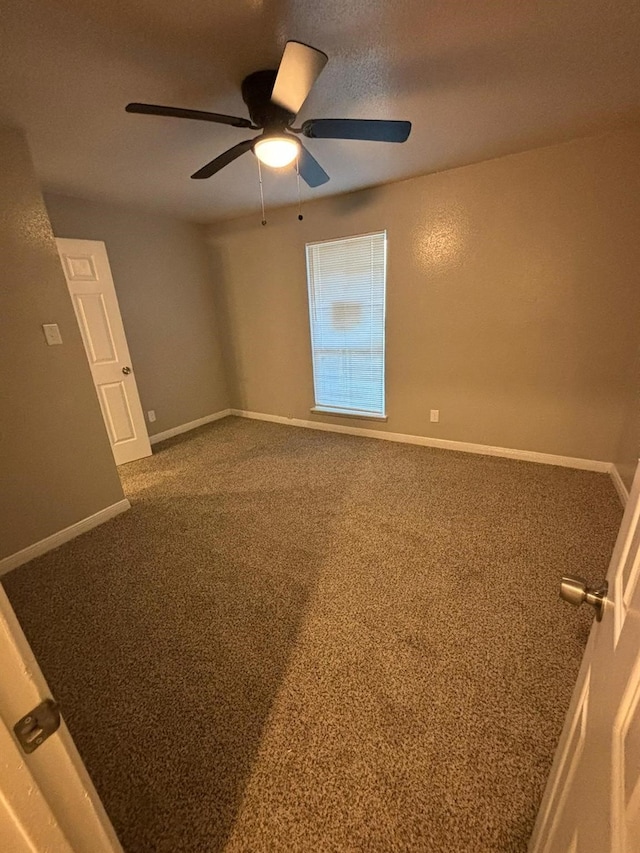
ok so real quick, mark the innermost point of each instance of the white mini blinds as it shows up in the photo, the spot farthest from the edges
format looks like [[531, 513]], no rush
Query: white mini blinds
[[346, 281]]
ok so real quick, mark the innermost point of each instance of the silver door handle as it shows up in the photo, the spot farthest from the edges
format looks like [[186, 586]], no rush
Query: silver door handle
[[126, 370], [575, 591]]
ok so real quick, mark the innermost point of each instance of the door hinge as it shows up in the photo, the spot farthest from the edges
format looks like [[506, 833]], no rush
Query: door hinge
[[36, 726]]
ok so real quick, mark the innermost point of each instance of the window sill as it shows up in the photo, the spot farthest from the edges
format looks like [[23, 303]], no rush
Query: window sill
[[338, 413]]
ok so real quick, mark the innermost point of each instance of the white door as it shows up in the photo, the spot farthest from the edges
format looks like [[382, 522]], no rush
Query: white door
[[47, 801], [592, 800], [86, 268]]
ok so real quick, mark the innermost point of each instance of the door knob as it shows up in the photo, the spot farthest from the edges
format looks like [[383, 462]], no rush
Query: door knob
[[575, 591], [126, 370]]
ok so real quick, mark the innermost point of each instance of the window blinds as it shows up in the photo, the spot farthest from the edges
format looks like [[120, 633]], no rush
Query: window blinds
[[346, 280]]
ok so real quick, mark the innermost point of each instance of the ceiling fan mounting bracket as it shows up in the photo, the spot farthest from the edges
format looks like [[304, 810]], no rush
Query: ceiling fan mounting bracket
[[256, 93]]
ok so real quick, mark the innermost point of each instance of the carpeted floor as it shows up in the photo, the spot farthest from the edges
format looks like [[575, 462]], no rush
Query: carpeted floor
[[302, 641]]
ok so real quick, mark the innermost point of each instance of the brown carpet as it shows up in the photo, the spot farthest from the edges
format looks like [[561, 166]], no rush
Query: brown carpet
[[301, 641]]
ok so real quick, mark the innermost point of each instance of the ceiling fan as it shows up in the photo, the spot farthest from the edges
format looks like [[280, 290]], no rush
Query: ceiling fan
[[273, 99]]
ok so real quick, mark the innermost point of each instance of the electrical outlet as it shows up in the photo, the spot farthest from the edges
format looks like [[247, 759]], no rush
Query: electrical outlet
[[435, 416], [52, 333], [151, 415]]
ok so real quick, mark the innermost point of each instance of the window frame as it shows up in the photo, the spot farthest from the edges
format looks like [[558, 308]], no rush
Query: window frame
[[317, 409]]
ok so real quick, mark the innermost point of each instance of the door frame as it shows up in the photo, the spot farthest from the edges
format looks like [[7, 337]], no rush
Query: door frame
[[48, 796]]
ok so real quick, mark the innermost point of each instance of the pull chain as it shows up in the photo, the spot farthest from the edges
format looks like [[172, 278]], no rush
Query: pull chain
[[300, 216], [264, 221]]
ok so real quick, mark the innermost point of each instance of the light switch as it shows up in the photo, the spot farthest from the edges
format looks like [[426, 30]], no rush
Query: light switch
[[52, 333]]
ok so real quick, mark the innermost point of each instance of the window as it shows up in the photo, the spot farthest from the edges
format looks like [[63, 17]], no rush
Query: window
[[346, 281]]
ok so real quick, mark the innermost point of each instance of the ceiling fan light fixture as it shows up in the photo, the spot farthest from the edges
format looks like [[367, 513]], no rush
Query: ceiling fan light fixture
[[276, 151]]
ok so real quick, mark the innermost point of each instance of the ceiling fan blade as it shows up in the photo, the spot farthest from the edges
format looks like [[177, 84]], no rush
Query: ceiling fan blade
[[177, 112], [224, 159], [355, 128], [299, 69], [311, 171]]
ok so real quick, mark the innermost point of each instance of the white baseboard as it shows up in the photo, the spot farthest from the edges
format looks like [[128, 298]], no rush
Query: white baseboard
[[424, 441], [207, 419], [618, 482], [62, 536], [444, 444]]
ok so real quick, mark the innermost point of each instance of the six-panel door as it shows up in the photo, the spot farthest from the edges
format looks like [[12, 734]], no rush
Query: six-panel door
[[86, 268], [592, 801]]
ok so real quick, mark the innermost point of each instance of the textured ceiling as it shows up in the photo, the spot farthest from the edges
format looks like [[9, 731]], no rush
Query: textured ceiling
[[476, 79]]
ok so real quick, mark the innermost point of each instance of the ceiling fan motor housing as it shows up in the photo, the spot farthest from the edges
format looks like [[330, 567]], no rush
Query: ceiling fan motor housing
[[256, 93]]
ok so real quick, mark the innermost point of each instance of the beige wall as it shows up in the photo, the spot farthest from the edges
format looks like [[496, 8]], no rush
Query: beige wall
[[161, 273], [56, 464], [513, 303]]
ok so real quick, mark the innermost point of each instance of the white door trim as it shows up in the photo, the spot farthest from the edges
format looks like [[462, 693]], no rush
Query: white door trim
[[27, 824], [61, 781]]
